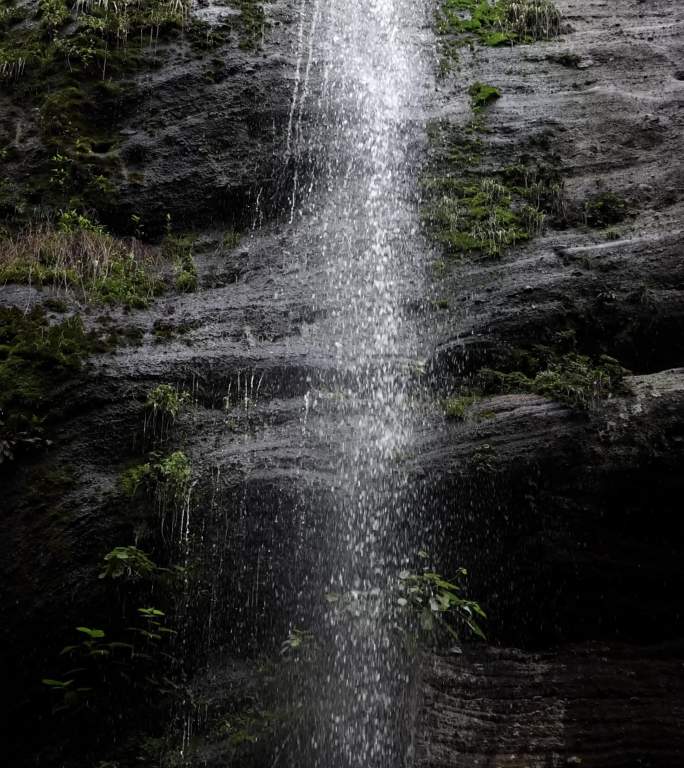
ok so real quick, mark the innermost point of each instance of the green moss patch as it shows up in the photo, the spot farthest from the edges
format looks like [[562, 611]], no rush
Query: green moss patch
[[482, 95], [494, 22], [475, 212]]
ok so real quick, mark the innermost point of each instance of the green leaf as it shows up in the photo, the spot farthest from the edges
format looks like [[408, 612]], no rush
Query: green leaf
[[56, 683], [475, 628], [68, 649], [92, 633]]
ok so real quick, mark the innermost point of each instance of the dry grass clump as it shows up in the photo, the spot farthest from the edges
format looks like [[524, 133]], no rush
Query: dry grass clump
[[94, 265], [531, 19]]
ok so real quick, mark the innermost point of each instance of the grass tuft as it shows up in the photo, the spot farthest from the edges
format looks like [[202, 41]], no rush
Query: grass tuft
[[80, 257]]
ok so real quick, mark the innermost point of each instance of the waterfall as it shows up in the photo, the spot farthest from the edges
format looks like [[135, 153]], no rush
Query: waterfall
[[366, 128]]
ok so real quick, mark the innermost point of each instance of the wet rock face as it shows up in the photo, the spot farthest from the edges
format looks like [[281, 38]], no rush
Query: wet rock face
[[601, 106], [554, 519], [204, 138], [600, 705], [568, 520], [575, 517], [185, 125]]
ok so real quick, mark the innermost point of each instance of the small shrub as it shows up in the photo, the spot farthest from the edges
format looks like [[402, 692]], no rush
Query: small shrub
[[165, 399], [175, 471], [231, 239], [35, 358], [164, 476], [530, 20], [436, 607]]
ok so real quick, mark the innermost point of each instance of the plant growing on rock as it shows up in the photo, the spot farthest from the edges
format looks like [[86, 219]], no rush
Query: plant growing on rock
[[79, 256], [482, 94], [106, 671], [436, 607], [179, 250], [572, 379], [604, 209], [530, 20], [432, 607], [297, 641], [163, 406], [36, 357], [478, 212], [497, 22], [456, 407], [127, 562], [164, 476]]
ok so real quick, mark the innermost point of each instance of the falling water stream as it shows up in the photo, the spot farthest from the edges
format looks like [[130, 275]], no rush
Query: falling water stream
[[362, 143]]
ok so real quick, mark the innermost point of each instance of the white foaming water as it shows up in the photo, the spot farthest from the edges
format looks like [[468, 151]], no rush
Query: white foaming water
[[366, 128]]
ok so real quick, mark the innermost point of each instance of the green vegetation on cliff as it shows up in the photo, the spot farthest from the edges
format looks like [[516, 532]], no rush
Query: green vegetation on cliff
[[83, 259], [474, 212], [35, 359], [570, 378], [494, 22]]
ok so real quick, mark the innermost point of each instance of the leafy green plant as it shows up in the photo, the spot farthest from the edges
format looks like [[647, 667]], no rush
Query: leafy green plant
[[604, 209], [175, 471], [164, 475], [135, 478], [106, 669], [127, 563], [436, 605], [433, 607], [54, 14], [231, 239], [179, 250], [73, 221], [168, 400]]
